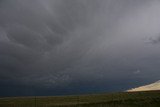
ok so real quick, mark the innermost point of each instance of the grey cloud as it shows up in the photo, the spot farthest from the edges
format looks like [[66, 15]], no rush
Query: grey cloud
[[58, 43], [154, 40]]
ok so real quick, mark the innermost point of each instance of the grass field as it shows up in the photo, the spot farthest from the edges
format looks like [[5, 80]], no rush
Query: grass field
[[123, 99]]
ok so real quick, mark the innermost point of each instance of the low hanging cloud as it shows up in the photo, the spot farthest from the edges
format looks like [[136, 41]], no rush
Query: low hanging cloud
[[57, 43], [155, 39]]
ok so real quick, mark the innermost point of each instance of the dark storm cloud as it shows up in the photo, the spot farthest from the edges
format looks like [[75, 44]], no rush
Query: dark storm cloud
[[154, 40], [61, 43]]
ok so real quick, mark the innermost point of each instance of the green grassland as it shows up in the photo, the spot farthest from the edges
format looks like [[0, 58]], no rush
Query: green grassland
[[122, 99]]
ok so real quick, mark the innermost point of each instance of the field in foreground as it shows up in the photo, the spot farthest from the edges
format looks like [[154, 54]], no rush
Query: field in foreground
[[124, 99]]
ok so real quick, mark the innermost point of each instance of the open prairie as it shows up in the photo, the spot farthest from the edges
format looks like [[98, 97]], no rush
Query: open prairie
[[122, 99]]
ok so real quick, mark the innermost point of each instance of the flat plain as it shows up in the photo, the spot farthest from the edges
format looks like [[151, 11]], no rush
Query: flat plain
[[121, 99]]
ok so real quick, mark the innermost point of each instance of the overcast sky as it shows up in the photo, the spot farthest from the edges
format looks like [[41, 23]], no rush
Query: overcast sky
[[55, 47]]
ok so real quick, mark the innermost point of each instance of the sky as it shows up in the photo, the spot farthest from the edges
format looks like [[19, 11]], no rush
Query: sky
[[63, 47], [154, 86]]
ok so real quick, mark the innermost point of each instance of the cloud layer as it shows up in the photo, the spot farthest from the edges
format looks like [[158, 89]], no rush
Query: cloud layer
[[59, 43]]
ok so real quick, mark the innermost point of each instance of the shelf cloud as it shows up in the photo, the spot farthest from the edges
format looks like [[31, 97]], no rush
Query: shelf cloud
[[78, 45]]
